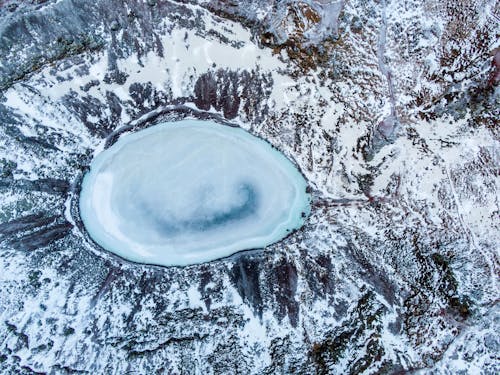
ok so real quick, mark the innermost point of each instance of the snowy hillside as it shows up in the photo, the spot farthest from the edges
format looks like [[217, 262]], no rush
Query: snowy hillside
[[389, 109]]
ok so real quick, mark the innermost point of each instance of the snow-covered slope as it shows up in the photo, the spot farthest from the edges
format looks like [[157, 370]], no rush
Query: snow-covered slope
[[389, 109]]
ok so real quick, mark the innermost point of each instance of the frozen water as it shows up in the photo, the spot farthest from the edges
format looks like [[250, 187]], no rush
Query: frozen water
[[189, 192]]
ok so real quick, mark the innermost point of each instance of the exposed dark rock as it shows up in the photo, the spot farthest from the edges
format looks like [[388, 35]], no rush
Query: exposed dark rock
[[363, 322], [41, 238], [220, 90], [26, 223], [245, 275], [283, 285], [87, 108], [321, 276]]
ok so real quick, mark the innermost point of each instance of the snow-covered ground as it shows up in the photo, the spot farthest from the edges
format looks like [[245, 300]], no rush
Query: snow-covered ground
[[388, 108]]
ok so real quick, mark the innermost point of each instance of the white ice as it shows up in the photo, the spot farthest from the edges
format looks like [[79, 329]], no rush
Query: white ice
[[190, 192]]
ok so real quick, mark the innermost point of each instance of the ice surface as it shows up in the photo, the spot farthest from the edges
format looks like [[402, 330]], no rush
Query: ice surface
[[190, 192]]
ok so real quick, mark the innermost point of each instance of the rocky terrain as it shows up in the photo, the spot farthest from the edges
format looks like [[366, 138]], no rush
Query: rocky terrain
[[390, 110]]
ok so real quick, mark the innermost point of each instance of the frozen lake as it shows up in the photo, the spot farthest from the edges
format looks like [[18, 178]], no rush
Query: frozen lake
[[189, 192]]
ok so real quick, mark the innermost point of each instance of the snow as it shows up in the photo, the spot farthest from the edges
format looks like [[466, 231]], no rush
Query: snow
[[444, 193], [191, 192]]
